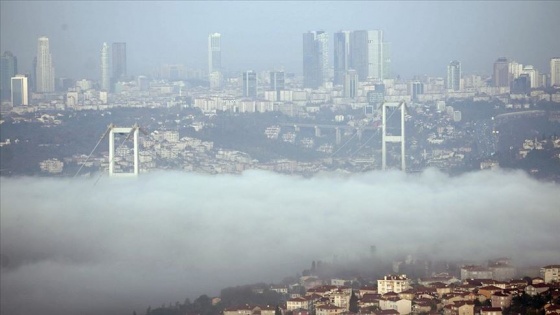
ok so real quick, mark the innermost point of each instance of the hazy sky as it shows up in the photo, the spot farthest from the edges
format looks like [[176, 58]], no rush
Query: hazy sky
[[262, 35], [71, 247]]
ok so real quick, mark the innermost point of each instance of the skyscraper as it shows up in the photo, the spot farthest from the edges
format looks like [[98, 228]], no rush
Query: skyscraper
[[501, 77], [8, 69], [119, 61], [416, 88], [368, 55], [214, 53], [277, 82], [341, 43], [454, 76], [351, 84], [44, 69], [250, 84], [105, 76], [315, 58], [555, 71], [19, 90]]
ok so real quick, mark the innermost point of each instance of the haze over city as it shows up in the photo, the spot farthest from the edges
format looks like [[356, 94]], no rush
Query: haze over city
[[153, 152], [263, 35]]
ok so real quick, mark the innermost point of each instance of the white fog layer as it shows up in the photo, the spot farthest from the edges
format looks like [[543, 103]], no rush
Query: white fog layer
[[73, 246]]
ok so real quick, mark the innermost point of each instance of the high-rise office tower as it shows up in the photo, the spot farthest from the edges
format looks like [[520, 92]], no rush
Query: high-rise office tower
[[119, 61], [19, 90], [416, 88], [250, 84], [454, 76], [44, 69], [386, 60], [367, 54], [351, 84], [214, 53], [8, 69], [315, 58], [555, 71], [277, 82], [501, 77], [105, 75], [341, 43]]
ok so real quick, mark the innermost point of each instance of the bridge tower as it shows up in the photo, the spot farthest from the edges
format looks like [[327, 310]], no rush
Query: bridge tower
[[114, 130], [390, 138]]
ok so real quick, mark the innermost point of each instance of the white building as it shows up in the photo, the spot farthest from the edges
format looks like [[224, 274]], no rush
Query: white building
[[53, 166], [44, 69], [393, 283], [19, 90], [551, 273]]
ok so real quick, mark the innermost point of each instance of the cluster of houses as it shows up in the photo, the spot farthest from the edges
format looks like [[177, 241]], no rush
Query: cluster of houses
[[397, 294]]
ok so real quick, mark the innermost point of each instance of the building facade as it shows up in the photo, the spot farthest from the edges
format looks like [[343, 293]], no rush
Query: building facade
[[351, 84], [369, 55], [393, 283], [341, 44], [44, 69], [501, 76], [454, 76], [250, 84], [105, 83], [19, 90], [555, 71], [8, 69], [119, 61], [214, 53], [315, 59], [277, 82], [550, 273]]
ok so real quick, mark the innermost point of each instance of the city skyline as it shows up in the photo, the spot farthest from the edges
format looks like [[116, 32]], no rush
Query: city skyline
[[422, 43]]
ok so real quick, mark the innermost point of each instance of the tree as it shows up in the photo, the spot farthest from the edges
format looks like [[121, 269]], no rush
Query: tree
[[353, 304]]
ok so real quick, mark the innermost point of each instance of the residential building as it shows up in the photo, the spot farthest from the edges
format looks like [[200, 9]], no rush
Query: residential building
[[44, 69], [475, 272], [8, 69], [402, 306], [329, 309], [501, 300], [298, 303], [393, 283], [550, 273]]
